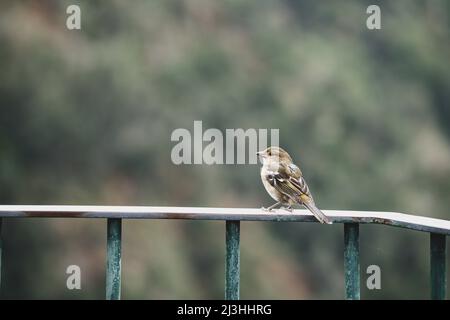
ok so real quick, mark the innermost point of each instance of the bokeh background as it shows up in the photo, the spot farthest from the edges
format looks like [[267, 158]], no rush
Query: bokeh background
[[86, 118]]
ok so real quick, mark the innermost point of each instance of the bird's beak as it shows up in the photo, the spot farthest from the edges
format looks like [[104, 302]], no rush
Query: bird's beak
[[259, 153]]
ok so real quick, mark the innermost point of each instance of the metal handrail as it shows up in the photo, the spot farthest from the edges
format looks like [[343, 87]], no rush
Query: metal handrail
[[437, 228]]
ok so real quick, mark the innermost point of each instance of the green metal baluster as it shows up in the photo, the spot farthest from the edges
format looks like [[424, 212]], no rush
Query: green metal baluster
[[1, 246], [438, 274], [351, 261], [232, 264], [113, 258]]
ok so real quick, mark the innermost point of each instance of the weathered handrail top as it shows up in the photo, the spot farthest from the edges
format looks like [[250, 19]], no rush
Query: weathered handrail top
[[208, 213]]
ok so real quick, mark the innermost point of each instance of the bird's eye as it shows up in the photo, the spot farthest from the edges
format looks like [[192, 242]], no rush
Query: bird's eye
[[269, 153]]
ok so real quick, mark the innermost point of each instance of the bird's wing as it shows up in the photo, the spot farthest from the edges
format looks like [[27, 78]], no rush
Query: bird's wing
[[295, 187], [294, 171], [290, 182]]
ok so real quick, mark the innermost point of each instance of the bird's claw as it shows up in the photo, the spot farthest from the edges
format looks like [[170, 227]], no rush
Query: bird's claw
[[288, 209], [266, 209]]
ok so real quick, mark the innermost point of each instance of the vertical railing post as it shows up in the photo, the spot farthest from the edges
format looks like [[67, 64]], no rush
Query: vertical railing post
[[232, 264], [113, 258], [351, 261], [438, 276], [1, 247]]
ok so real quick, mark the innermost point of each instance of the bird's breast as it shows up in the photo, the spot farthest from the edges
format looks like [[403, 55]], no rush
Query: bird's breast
[[266, 180]]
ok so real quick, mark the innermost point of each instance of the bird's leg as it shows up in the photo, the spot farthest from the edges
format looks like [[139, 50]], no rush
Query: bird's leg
[[271, 207]]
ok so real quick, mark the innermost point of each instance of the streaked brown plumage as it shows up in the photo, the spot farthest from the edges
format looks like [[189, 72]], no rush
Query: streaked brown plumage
[[285, 183]]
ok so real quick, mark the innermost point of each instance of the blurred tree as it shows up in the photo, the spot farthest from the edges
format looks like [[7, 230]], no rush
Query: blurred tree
[[86, 118]]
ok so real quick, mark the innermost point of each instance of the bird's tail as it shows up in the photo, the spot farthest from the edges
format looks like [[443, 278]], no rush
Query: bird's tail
[[317, 213]]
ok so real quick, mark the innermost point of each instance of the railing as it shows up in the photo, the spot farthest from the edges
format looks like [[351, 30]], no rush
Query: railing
[[437, 228]]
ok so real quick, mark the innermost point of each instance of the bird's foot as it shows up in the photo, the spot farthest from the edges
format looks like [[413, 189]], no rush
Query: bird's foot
[[289, 208], [269, 209]]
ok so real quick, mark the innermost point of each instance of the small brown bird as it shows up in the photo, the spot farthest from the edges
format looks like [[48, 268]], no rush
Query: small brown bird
[[284, 182]]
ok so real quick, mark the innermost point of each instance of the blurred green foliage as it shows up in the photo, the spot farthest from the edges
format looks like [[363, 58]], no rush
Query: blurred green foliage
[[86, 118]]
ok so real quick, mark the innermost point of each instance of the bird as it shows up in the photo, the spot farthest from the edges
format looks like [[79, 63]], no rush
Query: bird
[[284, 182]]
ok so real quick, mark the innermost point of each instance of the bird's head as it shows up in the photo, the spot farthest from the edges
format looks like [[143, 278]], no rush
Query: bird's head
[[274, 154]]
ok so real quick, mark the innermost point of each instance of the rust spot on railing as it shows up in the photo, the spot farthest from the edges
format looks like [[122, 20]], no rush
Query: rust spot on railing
[[382, 221]]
